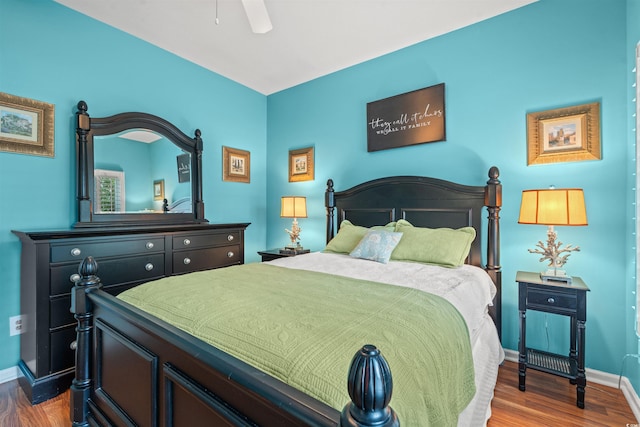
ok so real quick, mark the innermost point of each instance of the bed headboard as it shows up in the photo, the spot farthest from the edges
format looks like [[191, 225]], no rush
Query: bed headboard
[[426, 202]]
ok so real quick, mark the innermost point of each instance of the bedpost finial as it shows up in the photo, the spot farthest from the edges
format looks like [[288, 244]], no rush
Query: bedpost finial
[[329, 184], [198, 133], [494, 173], [370, 388], [82, 106], [88, 267]]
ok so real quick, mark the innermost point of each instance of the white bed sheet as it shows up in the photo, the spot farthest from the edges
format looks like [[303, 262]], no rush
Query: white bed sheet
[[468, 288]]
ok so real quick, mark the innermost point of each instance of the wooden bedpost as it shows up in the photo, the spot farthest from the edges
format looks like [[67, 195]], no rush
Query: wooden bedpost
[[370, 388], [81, 307], [493, 201], [330, 204]]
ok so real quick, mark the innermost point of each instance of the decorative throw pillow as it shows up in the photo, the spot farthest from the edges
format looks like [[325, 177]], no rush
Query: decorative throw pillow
[[349, 236], [441, 246], [377, 245]]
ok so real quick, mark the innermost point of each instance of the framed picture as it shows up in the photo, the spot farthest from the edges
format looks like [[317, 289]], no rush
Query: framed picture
[[236, 165], [301, 165], [26, 126], [568, 134], [158, 189], [411, 118]]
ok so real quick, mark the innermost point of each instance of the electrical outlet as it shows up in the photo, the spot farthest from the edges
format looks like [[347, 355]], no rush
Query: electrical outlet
[[16, 325]]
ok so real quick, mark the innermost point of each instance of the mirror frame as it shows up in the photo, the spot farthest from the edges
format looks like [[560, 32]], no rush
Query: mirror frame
[[88, 127]]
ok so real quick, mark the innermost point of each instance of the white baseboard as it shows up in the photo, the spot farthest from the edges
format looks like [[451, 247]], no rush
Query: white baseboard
[[9, 374], [603, 378]]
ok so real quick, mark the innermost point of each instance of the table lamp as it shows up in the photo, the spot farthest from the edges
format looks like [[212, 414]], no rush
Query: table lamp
[[293, 207], [553, 207]]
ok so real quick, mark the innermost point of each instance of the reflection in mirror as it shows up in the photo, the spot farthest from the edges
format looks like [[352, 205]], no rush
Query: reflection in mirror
[[128, 164], [136, 169]]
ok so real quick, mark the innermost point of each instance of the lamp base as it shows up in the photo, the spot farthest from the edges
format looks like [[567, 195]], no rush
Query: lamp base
[[556, 276]]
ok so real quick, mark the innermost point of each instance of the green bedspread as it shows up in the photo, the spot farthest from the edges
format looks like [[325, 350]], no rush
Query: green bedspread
[[286, 323]]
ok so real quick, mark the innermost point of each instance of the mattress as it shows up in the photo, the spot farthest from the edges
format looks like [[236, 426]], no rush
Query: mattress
[[467, 287]]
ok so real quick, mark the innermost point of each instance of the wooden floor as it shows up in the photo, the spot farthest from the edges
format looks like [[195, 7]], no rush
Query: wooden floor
[[548, 401]]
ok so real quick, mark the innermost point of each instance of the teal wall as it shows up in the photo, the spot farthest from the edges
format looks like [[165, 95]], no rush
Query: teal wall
[[550, 54], [50, 53], [631, 367]]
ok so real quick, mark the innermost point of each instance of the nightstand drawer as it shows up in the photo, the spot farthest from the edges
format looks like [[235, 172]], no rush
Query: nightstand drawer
[[556, 301]]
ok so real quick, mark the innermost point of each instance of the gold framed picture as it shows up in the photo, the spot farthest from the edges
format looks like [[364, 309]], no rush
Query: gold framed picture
[[568, 134], [301, 165], [26, 126], [158, 189], [236, 165]]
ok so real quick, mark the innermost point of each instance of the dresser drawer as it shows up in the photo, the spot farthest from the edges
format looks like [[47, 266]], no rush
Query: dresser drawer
[[105, 248], [60, 312], [202, 240], [62, 355], [111, 271], [204, 259], [552, 301]]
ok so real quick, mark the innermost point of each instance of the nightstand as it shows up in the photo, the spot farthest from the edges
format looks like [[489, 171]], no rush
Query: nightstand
[[558, 298], [271, 254]]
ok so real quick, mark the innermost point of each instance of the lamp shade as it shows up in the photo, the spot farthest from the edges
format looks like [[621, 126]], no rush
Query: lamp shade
[[553, 207], [293, 207]]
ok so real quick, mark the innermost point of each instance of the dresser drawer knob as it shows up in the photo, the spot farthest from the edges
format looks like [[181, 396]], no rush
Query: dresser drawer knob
[[551, 300], [74, 278], [187, 261], [75, 251], [148, 267], [230, 237], [186, 242], [149, 245], [230, 254]]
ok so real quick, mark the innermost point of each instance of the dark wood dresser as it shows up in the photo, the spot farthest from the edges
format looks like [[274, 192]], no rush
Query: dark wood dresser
[[126, 258]]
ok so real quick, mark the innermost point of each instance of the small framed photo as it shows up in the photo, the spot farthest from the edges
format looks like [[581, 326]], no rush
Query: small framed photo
[[568, 134], [158, 189], [26, 126], [236, 165], [301, 165]]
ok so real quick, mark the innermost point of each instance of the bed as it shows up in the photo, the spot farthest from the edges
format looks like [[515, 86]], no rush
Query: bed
[[134, 368]]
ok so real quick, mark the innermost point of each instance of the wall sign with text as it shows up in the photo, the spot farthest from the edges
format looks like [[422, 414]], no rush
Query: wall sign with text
[[411, 118]]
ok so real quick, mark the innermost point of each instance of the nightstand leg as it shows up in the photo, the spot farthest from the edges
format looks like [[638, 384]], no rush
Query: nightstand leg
[[522, 351], [572, 349], [581, 379]]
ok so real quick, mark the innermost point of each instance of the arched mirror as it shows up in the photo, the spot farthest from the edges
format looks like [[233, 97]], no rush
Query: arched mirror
[[136, 169]]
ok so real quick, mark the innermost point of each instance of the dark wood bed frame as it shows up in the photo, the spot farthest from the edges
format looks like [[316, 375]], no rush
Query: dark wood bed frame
[[134, 369]]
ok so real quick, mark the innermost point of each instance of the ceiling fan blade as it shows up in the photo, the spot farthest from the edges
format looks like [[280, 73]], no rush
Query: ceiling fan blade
[[258, 16]]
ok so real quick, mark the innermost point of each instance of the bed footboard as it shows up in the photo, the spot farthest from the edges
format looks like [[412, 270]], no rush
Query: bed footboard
[[134, 369]]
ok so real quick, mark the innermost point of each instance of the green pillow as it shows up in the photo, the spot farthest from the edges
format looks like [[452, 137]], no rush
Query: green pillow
[[349, 236], [441, 246]]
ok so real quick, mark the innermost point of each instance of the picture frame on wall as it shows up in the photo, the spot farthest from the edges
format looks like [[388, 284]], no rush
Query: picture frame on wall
[[26, 126], [236, 165], [569, 134], [411, 118], [301, 167], [158, 189]]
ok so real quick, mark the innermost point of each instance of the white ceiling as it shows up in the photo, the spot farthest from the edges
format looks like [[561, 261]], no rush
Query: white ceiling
[[310, 38]]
